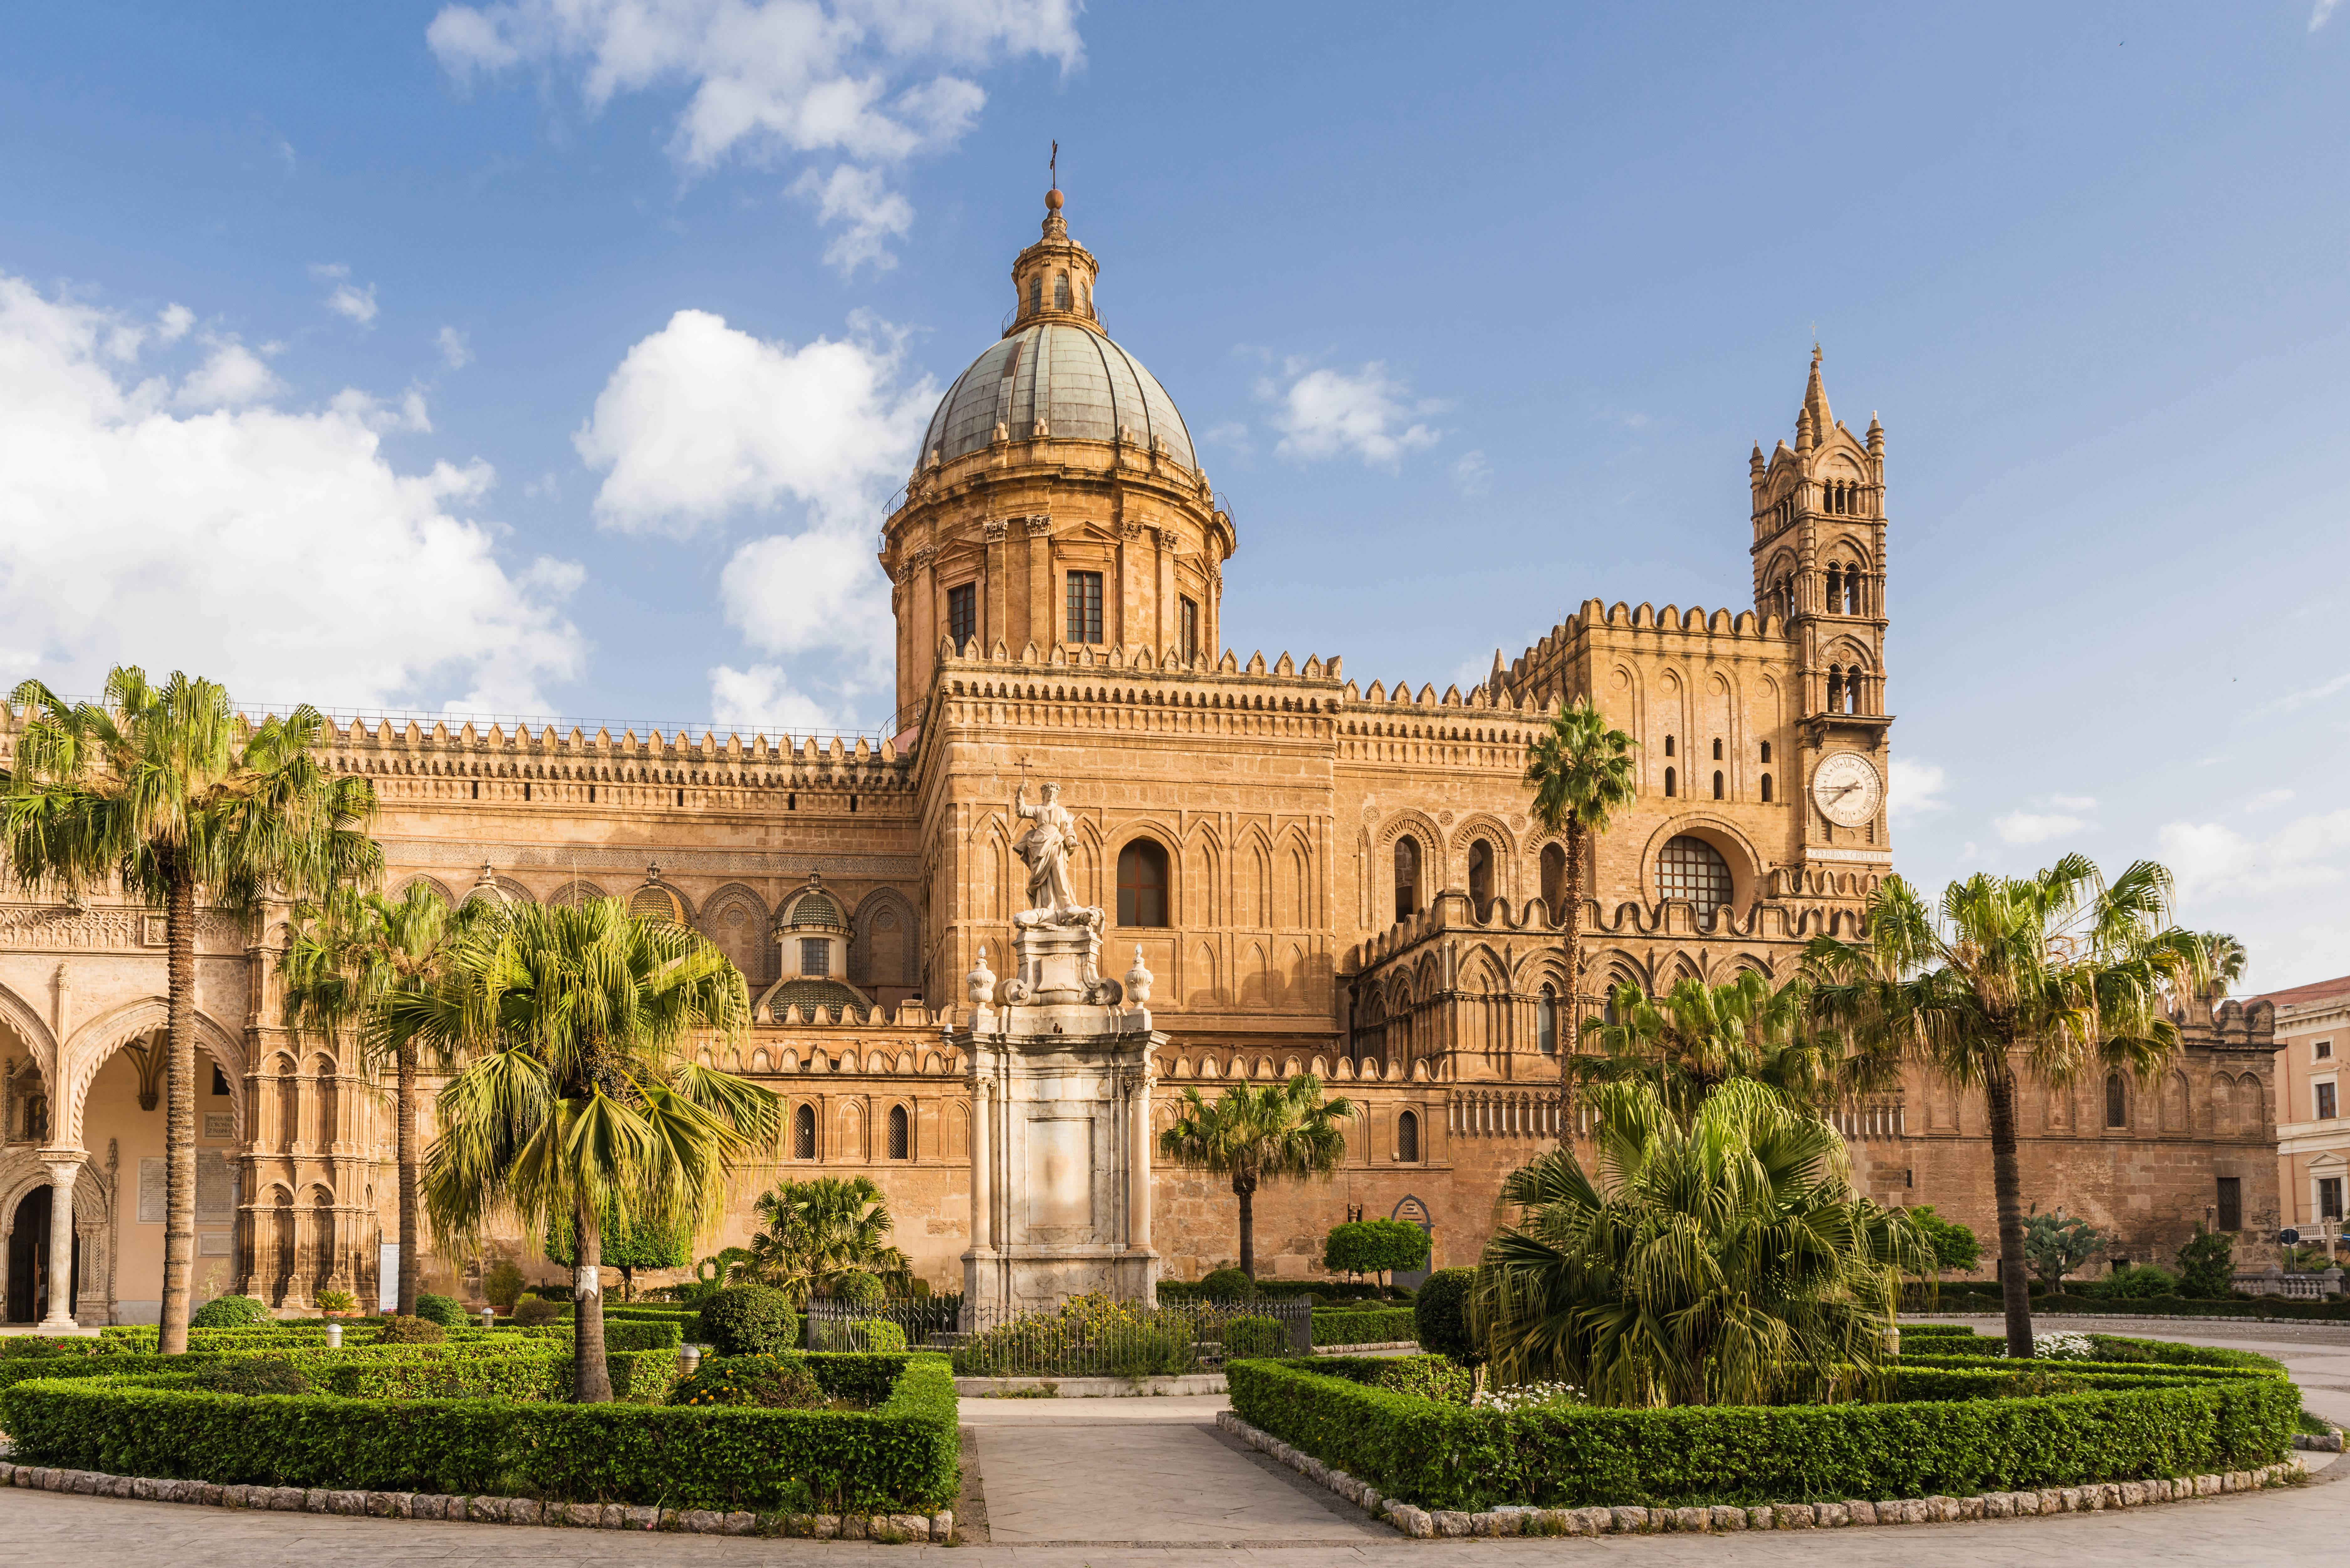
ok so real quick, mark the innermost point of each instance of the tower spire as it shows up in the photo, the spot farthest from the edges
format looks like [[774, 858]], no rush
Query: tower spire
[[1815, 400]]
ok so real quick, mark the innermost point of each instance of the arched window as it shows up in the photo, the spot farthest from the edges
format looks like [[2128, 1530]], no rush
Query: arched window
[[1835, 688], [1766, 789], [1546, 1020], [1036, 292], [900, 1135], [1142, 884], [2116, 1102], [1480, 876], [1553, 879], [804, 1133], [1693, 869], [1406, 878], [1669, 783], [1835, 589], [1717, 784], [1766, 751], [1060, 291], [1717, 751], [1668, 745], [1407, 1138]]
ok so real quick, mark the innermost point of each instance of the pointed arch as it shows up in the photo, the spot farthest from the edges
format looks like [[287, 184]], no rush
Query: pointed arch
[[886, 944], [736, 920], [94, 1042]]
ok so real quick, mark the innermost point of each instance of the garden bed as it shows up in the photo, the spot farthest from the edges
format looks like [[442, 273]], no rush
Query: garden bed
[[1952, 1430], [898, 1456]]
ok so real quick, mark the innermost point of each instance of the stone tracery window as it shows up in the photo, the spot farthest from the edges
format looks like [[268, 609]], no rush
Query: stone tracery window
[[804, 1132], [1692, 869], [1407, 1138], [1546, 1020]]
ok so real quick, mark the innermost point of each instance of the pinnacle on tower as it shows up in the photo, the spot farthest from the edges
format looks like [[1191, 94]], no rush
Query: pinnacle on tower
[[1815, 400]]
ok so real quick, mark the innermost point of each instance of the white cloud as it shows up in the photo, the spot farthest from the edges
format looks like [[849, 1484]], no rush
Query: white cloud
[[874, 215], [456, 349], [2318, 15], [872, 80], [2302, 699], [2207, 857], [357, 304], [1472, 474], [701, 420], [1369, 413], [270, 548], [2267, 798], [818, 590], [325, 270], [763, 698], [1915, 789], [2049, 816]]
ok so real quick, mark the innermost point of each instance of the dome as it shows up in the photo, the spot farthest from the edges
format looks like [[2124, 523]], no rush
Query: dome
[[1074, 381], [815, 909]]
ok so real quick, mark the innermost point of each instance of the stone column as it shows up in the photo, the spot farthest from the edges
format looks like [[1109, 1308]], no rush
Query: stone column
[[63, 1166], [1044, 627], [1138, 1197], [994, 627], [982, 1169]]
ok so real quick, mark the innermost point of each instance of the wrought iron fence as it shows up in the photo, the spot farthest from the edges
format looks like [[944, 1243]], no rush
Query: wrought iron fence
[[838, 1324], [1093, 1336]]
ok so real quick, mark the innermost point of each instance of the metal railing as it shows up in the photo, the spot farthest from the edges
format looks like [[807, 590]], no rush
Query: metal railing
[[1093, 1336], [834, 1325]]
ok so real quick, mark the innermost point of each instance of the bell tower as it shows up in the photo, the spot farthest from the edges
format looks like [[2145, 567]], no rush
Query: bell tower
[[1819, 556]]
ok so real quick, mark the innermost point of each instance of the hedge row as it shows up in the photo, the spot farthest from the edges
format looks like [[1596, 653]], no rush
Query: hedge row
[[1170, 1291], [1368, 1325], [1991, 1303], [627, 1334], [1956, 1339], [901, 1456], [1947, 1432]]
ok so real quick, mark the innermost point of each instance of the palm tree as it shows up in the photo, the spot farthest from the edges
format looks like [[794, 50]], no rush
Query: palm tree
[[1696, 1037], [1722, 1259], [2223, 961], [1580, 771], [2046, 974], [812, 1233], [171, 790], [348, 953], [581, 1097], [1253, 1134]]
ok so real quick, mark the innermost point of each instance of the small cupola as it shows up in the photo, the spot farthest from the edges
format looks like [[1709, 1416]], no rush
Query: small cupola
[[1053, 280], [813, 932]]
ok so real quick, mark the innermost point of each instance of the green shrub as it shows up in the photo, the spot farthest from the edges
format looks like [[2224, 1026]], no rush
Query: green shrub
[[261, 1375], [19, 1345], [1256, 1337], [874, 1333], [399, 1330], [1427, 1377], [643, 1333], [897, 1455], [2139, 1281], [1374, 1247], [535, 1311], [1375, 1325], [229, 1312], [1227, 1285], [443, 1310], [748, 1320], [1956, 1250], [761, 1382], [857, 1289], [2207, 1265], [1439, 1317], [1943, 1431], [502, 1284]]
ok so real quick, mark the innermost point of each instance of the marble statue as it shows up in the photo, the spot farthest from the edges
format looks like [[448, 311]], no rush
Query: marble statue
[[1045, 848]]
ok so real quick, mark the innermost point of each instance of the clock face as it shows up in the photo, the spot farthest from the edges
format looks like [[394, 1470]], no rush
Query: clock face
[[1846, 789]]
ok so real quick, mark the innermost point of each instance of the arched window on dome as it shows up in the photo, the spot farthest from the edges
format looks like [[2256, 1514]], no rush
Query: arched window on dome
[[1692, 869], [1407, 877], [1142, 884], [1036, 292], [1060, 291]]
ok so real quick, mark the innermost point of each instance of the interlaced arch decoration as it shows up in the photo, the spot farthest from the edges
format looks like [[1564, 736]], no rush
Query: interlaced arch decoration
[[31, 1028], [578, 890], [95, 1042]]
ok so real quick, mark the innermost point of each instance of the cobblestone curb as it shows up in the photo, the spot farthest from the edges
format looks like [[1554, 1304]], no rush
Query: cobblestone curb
[[1426, 1524], [2329, 1444], [890, 1528]]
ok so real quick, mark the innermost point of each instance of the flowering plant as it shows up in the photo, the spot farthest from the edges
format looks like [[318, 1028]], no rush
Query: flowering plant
[[1528, 1396]]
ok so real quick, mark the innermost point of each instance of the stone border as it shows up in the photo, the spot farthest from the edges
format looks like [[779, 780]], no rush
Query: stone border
[[1424, 1523], [890, 1528], [1086, 1387]]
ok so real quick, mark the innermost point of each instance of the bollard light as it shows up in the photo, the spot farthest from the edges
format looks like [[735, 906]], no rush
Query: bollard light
[[489, 1317], [334, 1335], [689, 1357]]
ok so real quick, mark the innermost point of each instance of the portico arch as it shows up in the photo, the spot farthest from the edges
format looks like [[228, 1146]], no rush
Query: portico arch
[[97, 1041], [22, 1173]]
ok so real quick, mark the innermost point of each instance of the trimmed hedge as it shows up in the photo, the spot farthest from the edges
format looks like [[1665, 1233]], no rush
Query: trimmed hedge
[[620, 1335], [1173, 1291], [1989, 1305], [1440, 1316], [1946, 1432], [1246, 1336], [1369, 1325], [901, 1456]]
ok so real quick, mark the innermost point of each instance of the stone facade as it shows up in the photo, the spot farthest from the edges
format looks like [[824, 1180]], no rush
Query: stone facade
[[1321, 875]]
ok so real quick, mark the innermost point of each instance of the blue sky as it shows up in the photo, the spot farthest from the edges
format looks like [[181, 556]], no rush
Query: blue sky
[[511, 359]]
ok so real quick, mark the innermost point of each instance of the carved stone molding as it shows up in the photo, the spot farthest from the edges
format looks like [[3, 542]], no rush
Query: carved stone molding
[[1038, 526], [51, 927], [409, 855], [992, 530]]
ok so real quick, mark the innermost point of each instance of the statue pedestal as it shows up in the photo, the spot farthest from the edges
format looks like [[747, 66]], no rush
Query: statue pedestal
[[1060, 1137]]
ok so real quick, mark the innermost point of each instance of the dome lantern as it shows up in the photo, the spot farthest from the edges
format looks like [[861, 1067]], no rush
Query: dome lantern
[[1053, 280]]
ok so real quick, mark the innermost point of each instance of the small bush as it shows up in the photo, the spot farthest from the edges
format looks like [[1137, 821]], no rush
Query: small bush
[[535, 1311], [2140, 1281], [2207, 1265], [1440, 1315], [41, 1345], [1254, 1336], [876, 1335], [857, 1289], [761, 1382], [749, 1320], [442, 1310], [229, 1312], [502, 1284], [262, 1375], [1428, 1378], [397, 1330], [1228, 1285], [1364, 1325]]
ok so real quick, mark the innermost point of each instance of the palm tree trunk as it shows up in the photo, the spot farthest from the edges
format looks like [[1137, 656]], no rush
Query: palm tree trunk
[[1244, 1189], [2007, 1185], [591, 1380], [180, 1112], [1571, 1035], [404, 1114]]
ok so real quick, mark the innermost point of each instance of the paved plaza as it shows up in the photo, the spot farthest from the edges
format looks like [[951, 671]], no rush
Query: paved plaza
[[1131, 1480]]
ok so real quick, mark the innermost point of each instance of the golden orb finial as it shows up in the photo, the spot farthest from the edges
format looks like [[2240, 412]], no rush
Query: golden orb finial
[[1053, 199]]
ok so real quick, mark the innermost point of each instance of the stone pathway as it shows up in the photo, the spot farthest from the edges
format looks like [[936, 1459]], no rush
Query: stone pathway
[[1091, 1482]]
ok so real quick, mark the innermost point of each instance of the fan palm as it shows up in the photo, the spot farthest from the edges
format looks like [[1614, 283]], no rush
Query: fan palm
[[2223, 962], [171, 790], [348, 954], [2049, 974], [1717, 1259], [1696, 1036], [1254, 1134], [811, 1233], [1580, 771], [581, 1097]]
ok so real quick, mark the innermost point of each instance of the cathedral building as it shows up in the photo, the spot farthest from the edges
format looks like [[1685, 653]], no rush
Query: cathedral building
[[1324, 873]]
